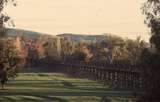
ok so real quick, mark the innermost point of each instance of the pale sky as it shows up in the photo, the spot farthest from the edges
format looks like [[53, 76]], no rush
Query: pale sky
[[121, 17]]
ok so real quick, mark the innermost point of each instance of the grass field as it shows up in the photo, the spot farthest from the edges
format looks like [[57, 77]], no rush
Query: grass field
[[54, 87]]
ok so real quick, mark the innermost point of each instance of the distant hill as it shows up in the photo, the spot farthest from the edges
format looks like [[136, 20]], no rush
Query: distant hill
[[73, 37], [79, 37], [21, 32]]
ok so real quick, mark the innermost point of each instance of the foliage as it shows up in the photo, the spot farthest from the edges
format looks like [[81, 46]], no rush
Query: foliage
[[150, 72], [10, 59], [118, 49], [3, 15], [32, 49], [67, 47], [151, 10], [78, 56], [3, 3], [150, 57], [50, 47]]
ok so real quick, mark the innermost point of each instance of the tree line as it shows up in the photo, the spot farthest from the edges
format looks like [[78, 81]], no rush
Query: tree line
[[50, 49]]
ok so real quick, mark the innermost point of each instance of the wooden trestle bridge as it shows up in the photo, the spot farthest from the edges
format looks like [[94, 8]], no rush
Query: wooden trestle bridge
[[119, 77]]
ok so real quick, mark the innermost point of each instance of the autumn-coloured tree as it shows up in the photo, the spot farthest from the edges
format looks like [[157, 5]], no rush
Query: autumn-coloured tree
[[117, 49], [67, 47], [51, 47], [10, 59]]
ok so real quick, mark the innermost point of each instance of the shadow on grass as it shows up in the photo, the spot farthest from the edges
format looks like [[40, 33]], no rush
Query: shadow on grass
[[31, 98], [46, 93], [65, 85]]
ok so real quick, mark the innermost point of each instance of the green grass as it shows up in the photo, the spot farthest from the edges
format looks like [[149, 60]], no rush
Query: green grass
[[53, 87]]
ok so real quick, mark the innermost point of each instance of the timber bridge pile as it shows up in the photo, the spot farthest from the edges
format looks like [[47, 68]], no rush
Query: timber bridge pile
[[126, 77]]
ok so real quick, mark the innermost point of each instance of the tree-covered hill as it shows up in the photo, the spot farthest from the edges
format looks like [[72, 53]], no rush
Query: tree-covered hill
[[21, 32], [79, 37]]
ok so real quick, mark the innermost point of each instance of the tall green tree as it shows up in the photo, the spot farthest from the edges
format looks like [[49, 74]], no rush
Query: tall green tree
[[150, 58]]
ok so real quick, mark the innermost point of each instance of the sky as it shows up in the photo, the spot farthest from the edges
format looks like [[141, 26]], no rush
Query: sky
[[122, 17]]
